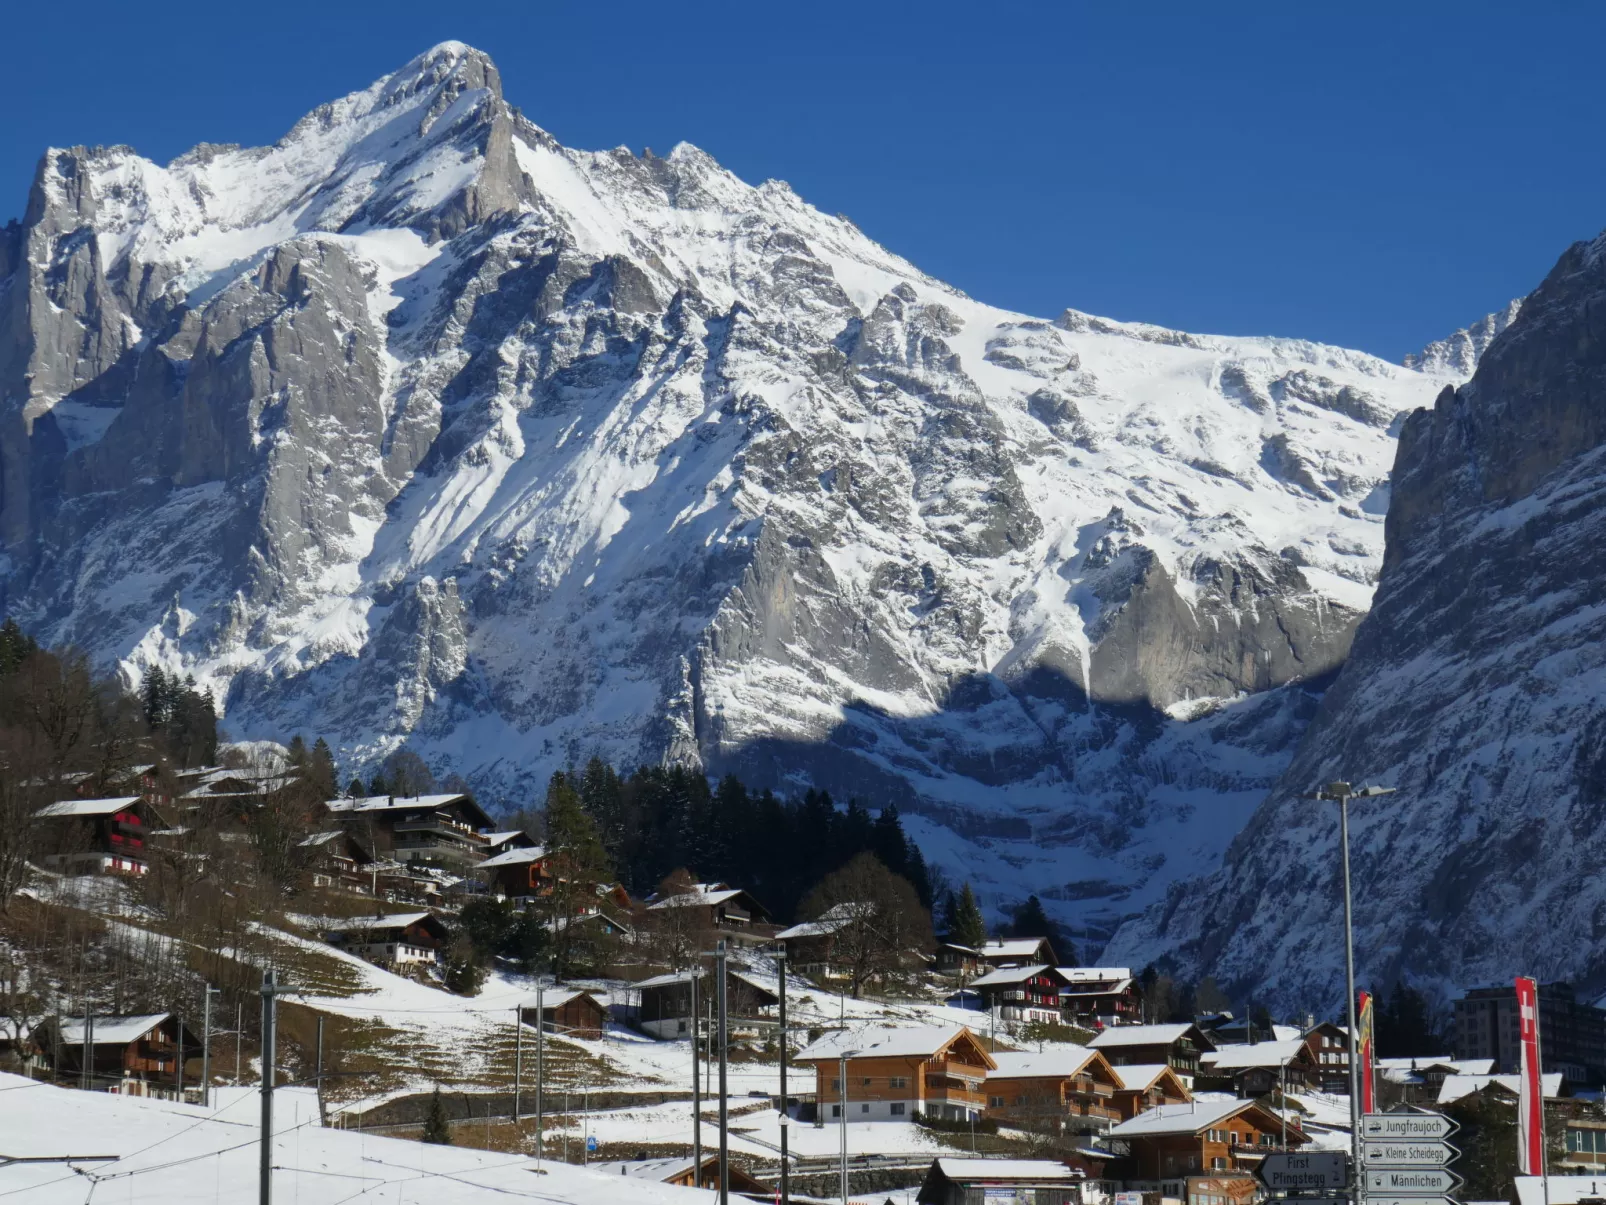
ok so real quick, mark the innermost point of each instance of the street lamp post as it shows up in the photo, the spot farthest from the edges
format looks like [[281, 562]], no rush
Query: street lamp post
[[842, 1086], [1341, 793]]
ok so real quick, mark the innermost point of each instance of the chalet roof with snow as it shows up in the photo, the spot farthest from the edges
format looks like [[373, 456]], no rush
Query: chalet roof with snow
[[379, 804], [1095, 974], [1004, 976], [910, 1041], [110, 1031], [88, 807], [1244, 1056], [1065, 1060], [514, 857], [1013, 947], [1455, 1087], [1148, 1035], [1197, 1116], [1140, 1077]]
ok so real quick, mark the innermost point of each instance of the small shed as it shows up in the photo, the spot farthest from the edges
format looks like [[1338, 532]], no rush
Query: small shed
[[680, 1171], [568, 1012], [964, 1181], [666, 1000]]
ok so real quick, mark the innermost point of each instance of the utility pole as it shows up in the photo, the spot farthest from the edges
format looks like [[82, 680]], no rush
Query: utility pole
[[206, 1045], [318, 1072], [785, 1119], [85, 1072], [239, 1037], [696, 1082], [518, 1060], [178, 1060], [724, 1096], [1341, 793], [271, 990], [540, 1068], [842, 1086]]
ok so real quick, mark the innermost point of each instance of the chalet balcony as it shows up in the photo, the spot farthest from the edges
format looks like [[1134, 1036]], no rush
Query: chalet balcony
[[441, 828]]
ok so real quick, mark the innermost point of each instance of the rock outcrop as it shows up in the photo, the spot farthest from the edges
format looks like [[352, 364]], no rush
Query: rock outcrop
[[1476, 687]]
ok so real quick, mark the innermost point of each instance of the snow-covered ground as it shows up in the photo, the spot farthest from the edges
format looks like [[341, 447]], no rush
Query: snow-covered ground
[[172, 1154]]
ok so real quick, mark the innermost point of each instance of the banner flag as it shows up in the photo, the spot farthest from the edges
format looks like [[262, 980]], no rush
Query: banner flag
[[1531, 1094], [1363, 1041]]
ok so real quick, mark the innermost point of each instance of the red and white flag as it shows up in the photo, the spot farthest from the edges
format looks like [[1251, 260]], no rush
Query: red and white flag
[[1364, 1041], [1531, 1094]]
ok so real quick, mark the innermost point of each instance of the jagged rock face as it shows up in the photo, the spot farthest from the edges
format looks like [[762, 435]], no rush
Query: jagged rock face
[[419, 427], [1474, 687], [1459, 354]]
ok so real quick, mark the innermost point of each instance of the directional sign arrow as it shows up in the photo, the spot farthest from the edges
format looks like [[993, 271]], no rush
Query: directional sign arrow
[[1428, 1126], [1307, 1170], [1409, 1182], [1406, 1152]]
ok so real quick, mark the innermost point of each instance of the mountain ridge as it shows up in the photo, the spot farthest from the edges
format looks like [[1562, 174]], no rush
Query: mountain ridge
[[419, 428]]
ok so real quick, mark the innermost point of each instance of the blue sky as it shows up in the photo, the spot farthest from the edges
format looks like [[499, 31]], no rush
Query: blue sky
[[1369, 175]]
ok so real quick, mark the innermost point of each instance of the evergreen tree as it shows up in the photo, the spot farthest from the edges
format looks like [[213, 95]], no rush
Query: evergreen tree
[[1403, 1026], [1031, 920], [966, 925], [437, 1129], [578, 862], [356, 790], [322, 774], [16, 646]]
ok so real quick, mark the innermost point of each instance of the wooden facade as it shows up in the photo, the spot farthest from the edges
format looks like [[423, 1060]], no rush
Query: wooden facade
[[130, 1055], [1022, 994], [665, 1008], [892, 1074], [1182, 1141], [1056, 1092], [570, 1013], [1148, 1087], [1177, 1045]]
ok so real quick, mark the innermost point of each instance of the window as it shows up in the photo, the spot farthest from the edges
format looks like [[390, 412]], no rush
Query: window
[[867, 1081], [1021, 1099], [836, 1110], [836, 1085], [898, 1081], [995, 1102], [898, 1108], [1218, 1164], [864, 1108]]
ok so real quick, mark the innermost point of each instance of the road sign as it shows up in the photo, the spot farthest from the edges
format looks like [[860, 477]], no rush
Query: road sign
[[591, 1144], [1409, 1182], [1428, 1126], [1306, 1170], [1405, 1152], [1371, 1200]]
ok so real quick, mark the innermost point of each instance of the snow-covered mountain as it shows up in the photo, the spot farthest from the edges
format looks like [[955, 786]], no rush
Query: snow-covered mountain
[[1477, 688], [418, 427]]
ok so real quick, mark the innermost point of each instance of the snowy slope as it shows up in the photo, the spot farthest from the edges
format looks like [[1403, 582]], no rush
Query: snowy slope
[[173, 1154], [418, 427]]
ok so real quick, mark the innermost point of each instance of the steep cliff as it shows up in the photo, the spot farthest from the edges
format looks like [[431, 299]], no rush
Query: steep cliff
[[1476, 686]]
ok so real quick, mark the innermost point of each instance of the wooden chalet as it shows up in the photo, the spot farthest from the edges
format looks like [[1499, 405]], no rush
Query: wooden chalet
[[665, 1007], [970, 1181], [809, 945], [131, 1055], [401, 939], [500, 843], [1098, 997], [936, 1070], [682, 1171], [1021, 994], [1203, 1138], [1254, 1069], [727, 911], [1148, 1086], [954, 959], [444, 831], [337, 857], [98, 836], [1018, 952], [1329, 1047], [520, 874], [1179, 1045], [568, 1012], [1066, 1089]]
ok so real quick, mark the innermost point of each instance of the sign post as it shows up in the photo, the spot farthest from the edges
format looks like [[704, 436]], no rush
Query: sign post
[[1304, 1171], [1405, 1158]]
